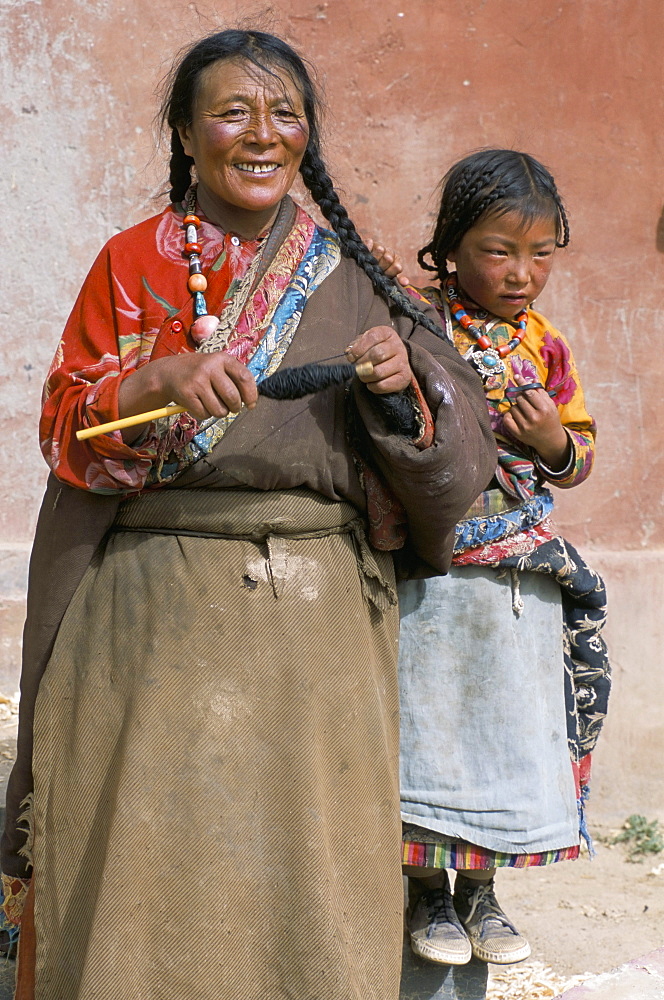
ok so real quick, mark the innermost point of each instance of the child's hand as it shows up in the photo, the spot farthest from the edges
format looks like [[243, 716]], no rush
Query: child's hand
[[388, 260], [534, 420]]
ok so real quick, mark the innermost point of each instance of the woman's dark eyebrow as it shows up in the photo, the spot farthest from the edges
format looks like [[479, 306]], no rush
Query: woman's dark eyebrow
[[275, 99]]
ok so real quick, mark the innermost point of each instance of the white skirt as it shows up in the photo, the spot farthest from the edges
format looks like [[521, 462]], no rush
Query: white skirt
[[484, 754]]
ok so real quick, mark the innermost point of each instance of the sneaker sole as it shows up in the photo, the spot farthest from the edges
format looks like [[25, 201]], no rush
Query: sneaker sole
[[501, 958], [424, 950]]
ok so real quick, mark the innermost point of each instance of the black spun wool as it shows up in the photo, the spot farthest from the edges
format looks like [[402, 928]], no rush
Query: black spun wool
[[294, 383], [399, 413]]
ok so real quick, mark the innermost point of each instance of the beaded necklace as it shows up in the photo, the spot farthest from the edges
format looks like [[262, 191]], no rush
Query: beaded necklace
[[212, 333], [197, 282], [488, 359]]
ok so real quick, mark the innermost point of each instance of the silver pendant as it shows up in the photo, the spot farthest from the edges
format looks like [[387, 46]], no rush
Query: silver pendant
[[488, 363]]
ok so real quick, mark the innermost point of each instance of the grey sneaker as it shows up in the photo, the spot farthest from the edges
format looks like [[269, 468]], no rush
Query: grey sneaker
[[435, 930], [493, 937]]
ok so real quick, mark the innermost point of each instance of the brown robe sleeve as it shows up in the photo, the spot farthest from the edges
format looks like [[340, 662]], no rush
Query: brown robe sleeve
[[438, 484]]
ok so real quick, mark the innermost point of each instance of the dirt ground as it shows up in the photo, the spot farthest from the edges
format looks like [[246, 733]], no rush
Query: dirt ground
[[587, 916]]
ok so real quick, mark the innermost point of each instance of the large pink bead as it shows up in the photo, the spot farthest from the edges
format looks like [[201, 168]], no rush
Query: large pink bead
[[203, 328]]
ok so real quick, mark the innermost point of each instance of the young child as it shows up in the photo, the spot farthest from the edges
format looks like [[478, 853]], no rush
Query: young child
[[499, 688]]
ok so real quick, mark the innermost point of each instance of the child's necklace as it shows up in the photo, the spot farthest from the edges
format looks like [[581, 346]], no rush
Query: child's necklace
[[488, 359]]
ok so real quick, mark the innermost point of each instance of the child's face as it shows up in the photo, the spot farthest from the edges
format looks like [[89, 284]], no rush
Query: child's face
[[503, 264]]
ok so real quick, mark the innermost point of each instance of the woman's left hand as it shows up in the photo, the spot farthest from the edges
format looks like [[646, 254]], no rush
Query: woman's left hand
[[384, 348], [388, 260], [534, 420]]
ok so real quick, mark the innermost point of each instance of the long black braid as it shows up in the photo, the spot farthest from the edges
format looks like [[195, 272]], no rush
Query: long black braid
[[179, 169], [498, 180], [267, 52], [319, 183]]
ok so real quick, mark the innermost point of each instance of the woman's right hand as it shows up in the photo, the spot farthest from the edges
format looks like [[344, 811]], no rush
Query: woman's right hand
[[206, 385]]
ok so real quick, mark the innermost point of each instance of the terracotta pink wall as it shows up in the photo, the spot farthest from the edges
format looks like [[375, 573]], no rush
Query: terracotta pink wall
[[411, 86]]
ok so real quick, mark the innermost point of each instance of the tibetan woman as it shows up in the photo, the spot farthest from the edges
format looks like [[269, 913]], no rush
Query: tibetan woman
[[207, 776]]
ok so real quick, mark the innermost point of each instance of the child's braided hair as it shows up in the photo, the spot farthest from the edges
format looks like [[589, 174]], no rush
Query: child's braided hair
[[270, 54], [491, 180]]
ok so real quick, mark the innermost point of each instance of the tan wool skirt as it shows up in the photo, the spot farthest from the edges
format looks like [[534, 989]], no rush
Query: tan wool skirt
[[216, 810]]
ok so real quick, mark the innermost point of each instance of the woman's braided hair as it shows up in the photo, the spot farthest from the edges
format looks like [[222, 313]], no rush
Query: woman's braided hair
[[270, 54], [497, 181]]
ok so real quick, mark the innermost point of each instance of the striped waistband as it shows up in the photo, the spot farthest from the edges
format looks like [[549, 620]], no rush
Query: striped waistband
[[492, 502], [276, 517], [483, 529], [250, 514]]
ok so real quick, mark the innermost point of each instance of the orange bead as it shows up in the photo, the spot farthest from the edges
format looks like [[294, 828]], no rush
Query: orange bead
[[197, 283], [191, 220], [483, 342], [192, 248]]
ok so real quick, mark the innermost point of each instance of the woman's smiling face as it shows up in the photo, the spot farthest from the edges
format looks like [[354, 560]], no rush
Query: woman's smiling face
[[247, 137]]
